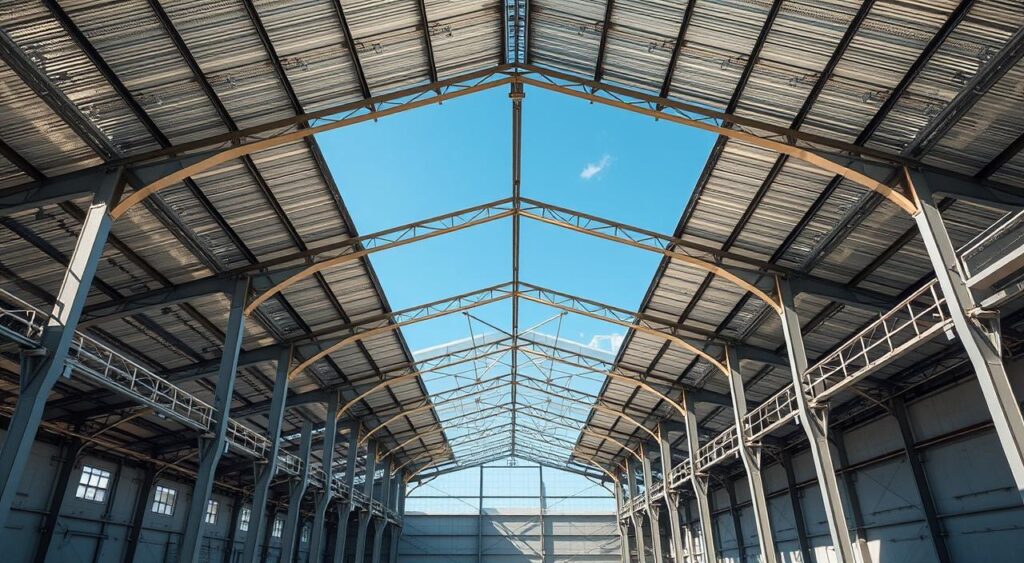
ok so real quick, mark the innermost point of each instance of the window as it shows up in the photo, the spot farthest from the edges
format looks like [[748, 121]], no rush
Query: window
[[243, 519], [211, 511], [305, 534], [93, 484], [278, 528], [163, 500]]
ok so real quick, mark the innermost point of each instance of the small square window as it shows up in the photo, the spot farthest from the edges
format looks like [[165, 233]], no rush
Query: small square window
[[305, 534], [243, 519], [93, 484], [163, 500], [278, 528], [211, 511]]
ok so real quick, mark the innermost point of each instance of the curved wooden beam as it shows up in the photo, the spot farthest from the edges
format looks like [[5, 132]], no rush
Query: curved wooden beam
[[709, 267], [358, 253], [239, 151], [639, 328]]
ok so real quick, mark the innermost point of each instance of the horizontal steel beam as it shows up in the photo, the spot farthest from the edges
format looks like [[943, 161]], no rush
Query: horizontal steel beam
[[140, 302]]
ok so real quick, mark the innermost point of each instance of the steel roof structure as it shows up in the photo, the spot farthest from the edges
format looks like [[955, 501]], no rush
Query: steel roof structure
[[826, 113]]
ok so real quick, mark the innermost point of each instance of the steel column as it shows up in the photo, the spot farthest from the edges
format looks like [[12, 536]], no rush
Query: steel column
[[327, 494], [623, 531], [268, 469], [699, 481], [979, 334], [860, 541], [814, 420], [346, 504], [396, 531], [638, 523], [798, 512], [229, 542], [899, 412], [691, 547], [381, 524], [211, 448], [296, 490], [650, 508], [737, 525], [750, 455], [671, 497], [59, 491], [40, 368], [138, 514], [364, 515]]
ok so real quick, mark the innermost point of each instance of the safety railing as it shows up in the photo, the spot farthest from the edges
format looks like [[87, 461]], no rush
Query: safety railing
[[718, 448], [779, 409], [992, 245], [19, 321]]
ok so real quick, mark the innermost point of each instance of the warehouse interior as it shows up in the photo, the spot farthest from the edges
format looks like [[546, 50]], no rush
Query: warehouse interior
[[199, 363]]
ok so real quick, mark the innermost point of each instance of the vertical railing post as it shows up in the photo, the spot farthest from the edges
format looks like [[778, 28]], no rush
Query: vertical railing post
[[346, 504], [296, 490], [978, 333], [266, 470], [750, 455], [212, 448], [814, 420], [699, 481], [327, 494], [41, 368]]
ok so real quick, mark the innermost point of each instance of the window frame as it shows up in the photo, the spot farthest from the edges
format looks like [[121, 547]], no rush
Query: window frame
[[95, 481], [164, 500]]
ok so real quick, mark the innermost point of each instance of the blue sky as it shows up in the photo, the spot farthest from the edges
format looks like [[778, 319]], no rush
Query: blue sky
[[587, 157]]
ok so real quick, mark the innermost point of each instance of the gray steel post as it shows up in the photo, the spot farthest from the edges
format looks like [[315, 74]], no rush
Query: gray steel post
[[212, 448], [899, 412], [814, 420], [699, 480], [691, 546], [267, 470], [978, 334], [638, 523], [131, 544], [750, 455], [381, 524], [364, 514], [57, 495], [296, 490], [737, 525], [346, 503], [396, 531], [327, 494], [671, 496], [794, 500], [860, 534], [649, 507], [623, 532], [41, 368]]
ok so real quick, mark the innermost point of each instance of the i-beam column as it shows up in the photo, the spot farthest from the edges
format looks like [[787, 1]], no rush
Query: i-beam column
[[623, 528], [699, 480], [814, 420], [979, 334], [750, 455], [296, 490], [380, 526], [649, 507], [638, 522], [267, 470], [671, 496], [364, 514], [327, 494], [346, 504], [41, 367], [398, 505], [211, 448]]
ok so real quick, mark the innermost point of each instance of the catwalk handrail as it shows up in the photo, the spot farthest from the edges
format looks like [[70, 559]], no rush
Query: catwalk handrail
[[912, 322]]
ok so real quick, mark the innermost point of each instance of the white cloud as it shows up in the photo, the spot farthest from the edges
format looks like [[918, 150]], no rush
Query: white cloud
[[607, 342], [594, 168]]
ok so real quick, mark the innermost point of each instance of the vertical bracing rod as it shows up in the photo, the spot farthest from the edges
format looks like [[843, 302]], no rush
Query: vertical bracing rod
[[211, 448], [41, 368], [979, 334], [814, 420], [750, 455]]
